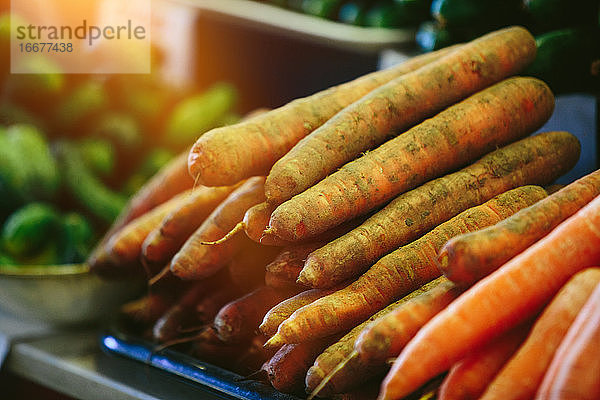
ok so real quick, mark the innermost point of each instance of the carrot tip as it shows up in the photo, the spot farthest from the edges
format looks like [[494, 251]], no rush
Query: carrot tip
[[275, 341]]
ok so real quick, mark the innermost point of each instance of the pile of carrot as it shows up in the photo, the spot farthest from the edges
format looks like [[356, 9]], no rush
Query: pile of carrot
[[332, 246]]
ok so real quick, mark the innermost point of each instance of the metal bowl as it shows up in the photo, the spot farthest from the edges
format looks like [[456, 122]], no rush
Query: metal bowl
[[63, 295]]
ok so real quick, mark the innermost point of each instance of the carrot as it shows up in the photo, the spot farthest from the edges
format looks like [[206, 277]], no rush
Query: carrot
[[498, 302], [209, 348], [468, 378], [172, 179], [535, 160], [468, 258], [289, 262], [396, 274], [247, 268], [339, 368], [224, 156], [385, 337], [168, 326], [395, 107], [522, 375], [239, 319], [287, 369], [170, 234], [125, 246], [147, 309], [573, 372], [195, 260], [251, 360], [491, 118], [283, 310]]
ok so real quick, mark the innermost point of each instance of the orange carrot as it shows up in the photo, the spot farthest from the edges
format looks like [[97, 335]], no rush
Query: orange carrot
[[396, 274], [469, 377], [224, 156], [125, 246], [468, 258], [287, 265], [239, 319], [535, 160], [339, 368], [287, 369], [168, 236], [169, 325], [456, 136], [385, 337], [196, 260], [283, 310], [573, 372], [395, 107], [247, 268], [147, 309], [498, 302], [522, 375], [172, 179]]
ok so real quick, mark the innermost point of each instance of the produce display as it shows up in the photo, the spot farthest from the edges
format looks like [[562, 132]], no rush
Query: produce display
[[408, 215], [564, 30], [74, 148]]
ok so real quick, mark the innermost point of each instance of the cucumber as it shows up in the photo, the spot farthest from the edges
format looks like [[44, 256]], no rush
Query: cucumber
[[490, 13], [39, 82], [38, 175], [119, 128], [11, 113], [193, 116], [98, 155], [85, 187], [566, 58], [546, 15], [77, 239], [82, 103], [322, 8], [29, 228], [397, 13], [12, 177]]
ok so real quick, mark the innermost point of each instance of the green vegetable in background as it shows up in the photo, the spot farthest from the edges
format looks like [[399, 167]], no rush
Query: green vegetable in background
[[568, 60], [488, 14], [322, 8], [152, 162], [195, 115], [82, 103], [27, 169], [28, 229], [98, 155], [119, 128], [431, 36], [77, 239], [88, 190], [545, 15]]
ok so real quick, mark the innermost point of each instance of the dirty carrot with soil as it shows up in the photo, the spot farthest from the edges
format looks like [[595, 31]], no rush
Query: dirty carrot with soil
[[396, 106], [539, 159], [196, 260], [508, 296], [396, 274], [283, 310], [239, 319], [491, 118], [385, 337], [170, 234], [124, 247], [227, 155], [468, 258]]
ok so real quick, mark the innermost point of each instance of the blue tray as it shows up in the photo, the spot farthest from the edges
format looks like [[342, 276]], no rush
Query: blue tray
[[218, 379]]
